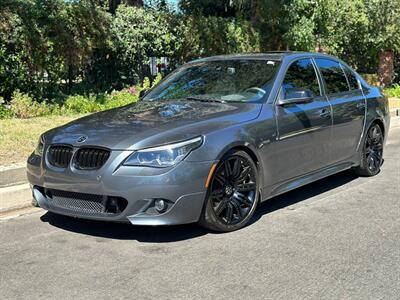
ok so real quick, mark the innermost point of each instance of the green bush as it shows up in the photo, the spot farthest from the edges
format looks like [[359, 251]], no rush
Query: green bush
[[121, 98], [5, 111], [94, 103], [393, 92], [23, 106], [81, 104], [157, 79]]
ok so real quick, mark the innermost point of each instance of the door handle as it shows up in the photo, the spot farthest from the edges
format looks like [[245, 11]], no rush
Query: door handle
[[325, 113]]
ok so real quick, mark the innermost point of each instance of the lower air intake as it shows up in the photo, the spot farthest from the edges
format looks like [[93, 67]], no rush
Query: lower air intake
[[86, 203]]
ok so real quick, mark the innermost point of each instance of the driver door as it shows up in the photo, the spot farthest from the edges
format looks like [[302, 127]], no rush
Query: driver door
[[304, 129]]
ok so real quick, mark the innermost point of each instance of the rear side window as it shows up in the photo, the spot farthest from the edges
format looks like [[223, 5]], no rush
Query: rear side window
[[351, 77], [332, 72], [301, 75]]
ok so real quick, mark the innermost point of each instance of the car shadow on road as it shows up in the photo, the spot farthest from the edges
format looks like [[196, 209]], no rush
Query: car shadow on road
[[303, 193], [163, 234], [125, 231]]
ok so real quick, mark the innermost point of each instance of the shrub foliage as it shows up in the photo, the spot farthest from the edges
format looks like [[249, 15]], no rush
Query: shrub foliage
[[73, 55]]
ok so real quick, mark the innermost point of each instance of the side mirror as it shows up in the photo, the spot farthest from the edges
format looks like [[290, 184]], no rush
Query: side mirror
[[143, 92], [296, 96]]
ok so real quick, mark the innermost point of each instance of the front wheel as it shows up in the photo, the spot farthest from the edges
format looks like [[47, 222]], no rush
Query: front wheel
[[232, 194], [372, 152]]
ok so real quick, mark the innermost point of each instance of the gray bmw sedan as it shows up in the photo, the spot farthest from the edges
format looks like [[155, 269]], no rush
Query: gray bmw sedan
[[212, 140]]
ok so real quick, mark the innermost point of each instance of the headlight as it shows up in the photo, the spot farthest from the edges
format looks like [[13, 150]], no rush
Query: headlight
[[39, 148], [163, 156]]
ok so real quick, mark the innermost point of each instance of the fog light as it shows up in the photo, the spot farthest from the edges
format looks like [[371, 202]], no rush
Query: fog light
[[160, 205]]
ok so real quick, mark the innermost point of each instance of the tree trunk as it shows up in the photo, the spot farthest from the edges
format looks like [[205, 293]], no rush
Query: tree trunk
[[138, 3], [386, 67], [113, 4], [70, 79]]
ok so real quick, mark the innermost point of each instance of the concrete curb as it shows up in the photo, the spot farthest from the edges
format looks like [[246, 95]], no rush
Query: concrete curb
[[12, 175], [15, 197], [15, 193]]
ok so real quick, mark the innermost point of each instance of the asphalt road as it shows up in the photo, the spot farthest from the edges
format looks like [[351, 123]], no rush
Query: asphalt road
[[338, 238]]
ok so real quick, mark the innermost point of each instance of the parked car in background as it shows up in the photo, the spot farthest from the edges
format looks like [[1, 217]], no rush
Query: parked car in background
[[212, 140]]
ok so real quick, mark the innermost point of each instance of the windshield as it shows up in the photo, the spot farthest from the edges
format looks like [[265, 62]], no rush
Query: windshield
[[233, 80]]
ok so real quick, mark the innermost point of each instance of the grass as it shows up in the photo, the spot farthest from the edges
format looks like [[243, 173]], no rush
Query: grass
[[19, 137]]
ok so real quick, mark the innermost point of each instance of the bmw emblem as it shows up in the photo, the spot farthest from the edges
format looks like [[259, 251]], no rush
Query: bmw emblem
[[81, 139]]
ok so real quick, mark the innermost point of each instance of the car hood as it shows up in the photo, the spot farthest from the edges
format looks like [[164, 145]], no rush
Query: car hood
[[145, 124]]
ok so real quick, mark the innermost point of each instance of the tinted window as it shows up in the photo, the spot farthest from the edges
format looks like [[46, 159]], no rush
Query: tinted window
[[332, 72], [236, 80], [351, 77], [301, 75]]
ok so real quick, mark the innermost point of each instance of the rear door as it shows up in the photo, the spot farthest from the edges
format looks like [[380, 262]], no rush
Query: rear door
[[303, 129], [348, 106]]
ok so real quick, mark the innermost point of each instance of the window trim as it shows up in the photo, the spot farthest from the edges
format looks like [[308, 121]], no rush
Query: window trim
[[345, 67], [320, 78], [323, 79], [289, 64]]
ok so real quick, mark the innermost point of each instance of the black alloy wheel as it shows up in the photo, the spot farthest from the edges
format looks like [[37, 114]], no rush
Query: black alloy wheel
[[372, 154], [233, 193]]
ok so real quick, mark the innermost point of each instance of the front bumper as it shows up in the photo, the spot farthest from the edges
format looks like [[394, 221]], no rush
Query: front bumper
[[182, 186]]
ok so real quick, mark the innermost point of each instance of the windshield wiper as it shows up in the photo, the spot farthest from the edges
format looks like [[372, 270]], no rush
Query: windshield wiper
[[205, 99]]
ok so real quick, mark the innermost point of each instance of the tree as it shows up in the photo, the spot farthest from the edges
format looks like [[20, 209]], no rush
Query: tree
[[336, 27], [300, 24], [47, 42], [76, 30], [138, 34], [341, 28], [201, 36], [266, 17], [24, 61], [113, 4], [221, 8], [13, 53], [383, 37]]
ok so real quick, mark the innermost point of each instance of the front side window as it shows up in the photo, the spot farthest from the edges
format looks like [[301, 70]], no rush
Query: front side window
[[301, 75], [235, 80], [332, 72]]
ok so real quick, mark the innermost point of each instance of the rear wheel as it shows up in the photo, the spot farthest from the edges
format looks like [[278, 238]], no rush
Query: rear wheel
[[371, 159], [232, 194]]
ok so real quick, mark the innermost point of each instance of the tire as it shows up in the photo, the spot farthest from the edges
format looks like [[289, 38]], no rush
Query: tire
[[372, 151], [233, 193]]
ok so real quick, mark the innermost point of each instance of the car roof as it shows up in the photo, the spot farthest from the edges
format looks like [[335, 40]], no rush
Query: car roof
[[273, 55]]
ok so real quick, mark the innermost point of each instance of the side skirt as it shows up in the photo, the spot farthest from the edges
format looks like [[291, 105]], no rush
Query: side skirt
[[297, 182]]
